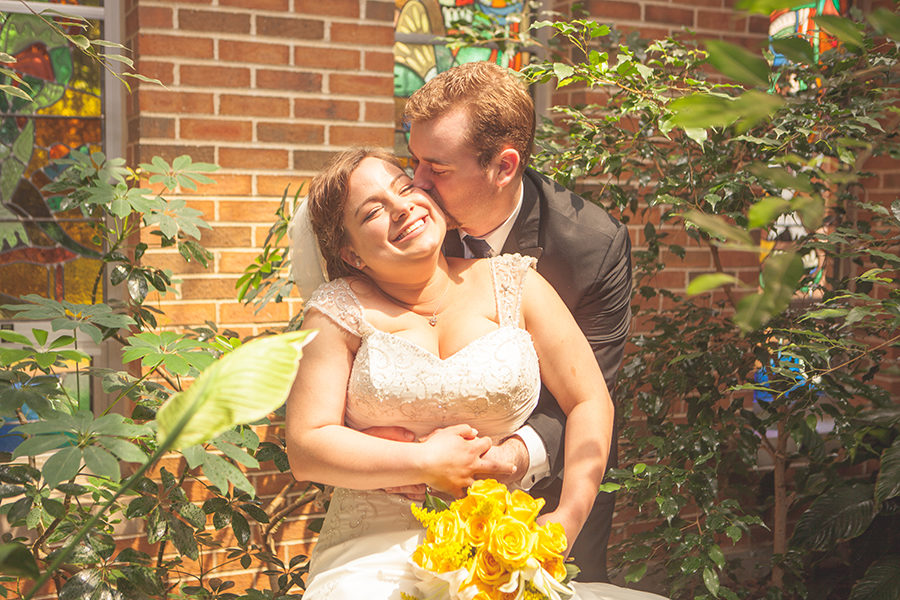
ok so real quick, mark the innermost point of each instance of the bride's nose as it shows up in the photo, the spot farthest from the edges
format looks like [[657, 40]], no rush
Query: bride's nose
[[401, 209]]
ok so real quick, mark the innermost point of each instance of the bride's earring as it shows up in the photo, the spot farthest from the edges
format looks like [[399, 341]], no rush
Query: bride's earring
[[351, 258]]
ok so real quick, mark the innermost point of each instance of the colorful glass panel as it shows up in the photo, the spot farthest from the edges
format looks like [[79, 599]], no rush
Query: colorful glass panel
[[415, 62], [44, 250], [799, 21]]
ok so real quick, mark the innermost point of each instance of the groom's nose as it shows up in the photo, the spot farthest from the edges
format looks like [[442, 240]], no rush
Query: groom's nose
[[420, 177]]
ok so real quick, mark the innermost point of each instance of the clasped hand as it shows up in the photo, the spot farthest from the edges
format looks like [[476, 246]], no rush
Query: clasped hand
[[452, 458]]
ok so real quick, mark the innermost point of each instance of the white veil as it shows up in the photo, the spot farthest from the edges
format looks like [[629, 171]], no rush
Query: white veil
[[307, 263]]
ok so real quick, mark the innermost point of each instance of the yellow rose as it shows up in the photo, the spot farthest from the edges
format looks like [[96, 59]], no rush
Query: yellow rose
[[478, 529], [511, 541], [489, 570], [523, 507], [446, 527], [423, 554], [492, 491], [556, 567], [551, 540]]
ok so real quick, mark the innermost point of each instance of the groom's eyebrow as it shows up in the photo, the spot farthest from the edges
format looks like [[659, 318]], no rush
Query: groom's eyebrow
[[374, 197]]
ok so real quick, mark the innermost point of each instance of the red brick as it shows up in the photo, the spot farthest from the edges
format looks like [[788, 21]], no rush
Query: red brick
[[253, 52], [163, 71], [154, 44], [289, 81], [614, 9], [379, 61], [311, 160], [378, 10], [238, 313], [216, 129], [327, 58], [253, 158], [227, 185], [154, 17], [709, 3], [362, 135], [668, 15], [290, 133], [377, 112], [338, 110], [274, 5], [275, 185], [162, 259], [302, 29], [758, 24], [254, 105], [362, 85], [721, 21], [328, 9], [218, 288], [363, 35], [170, 151], [236, 261], [186, 314], [151, 127], [227, 236], [209, 76], [216, 21], [243, 211]]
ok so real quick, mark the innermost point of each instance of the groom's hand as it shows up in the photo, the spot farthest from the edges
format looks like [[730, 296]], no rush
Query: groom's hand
[[508, 459]]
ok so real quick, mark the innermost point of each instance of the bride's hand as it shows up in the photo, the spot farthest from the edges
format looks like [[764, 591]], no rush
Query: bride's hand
[[571, 525], [451, 456]]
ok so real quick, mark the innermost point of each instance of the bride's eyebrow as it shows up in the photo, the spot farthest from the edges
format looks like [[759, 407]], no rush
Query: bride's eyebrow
[[374, 197]]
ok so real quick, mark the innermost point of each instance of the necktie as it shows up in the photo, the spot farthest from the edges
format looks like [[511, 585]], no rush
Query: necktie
[[477, 246]]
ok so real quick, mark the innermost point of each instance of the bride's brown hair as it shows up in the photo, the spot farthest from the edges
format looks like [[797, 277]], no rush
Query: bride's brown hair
[[327, 198]]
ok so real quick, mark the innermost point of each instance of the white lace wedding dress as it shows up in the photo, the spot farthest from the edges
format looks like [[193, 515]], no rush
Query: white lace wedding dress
[[492, 384]]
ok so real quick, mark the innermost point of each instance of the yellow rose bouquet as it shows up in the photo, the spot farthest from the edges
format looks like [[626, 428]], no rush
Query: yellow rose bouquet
[[487, 546]]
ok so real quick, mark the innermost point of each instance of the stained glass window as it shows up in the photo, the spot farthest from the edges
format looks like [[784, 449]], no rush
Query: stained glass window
[[45, 250], [419, 55]]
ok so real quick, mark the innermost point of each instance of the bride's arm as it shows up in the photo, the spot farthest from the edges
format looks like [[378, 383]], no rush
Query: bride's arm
[[571, 374], [322, 449]]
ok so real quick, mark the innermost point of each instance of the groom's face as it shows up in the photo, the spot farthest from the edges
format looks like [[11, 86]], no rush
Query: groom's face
[[447, 168]]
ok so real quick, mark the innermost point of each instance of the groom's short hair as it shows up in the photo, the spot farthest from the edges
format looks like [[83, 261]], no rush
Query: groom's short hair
[[500, 109]]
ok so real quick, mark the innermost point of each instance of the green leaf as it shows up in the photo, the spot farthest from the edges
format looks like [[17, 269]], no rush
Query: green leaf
[[795, 49], [738, 63], [716, 555], [711, 581], [707, 110], [885, 22], [888, 483], [242, 387], [562, 72], [123, 449], [101, 462], [62, 466], [780, 278], [16, 560], [811, 209], [636, 573], [219, 472], [843, 29], [839, 514], [716, 226], [764, 212], [241, 529], [709, 281], [881, 581]]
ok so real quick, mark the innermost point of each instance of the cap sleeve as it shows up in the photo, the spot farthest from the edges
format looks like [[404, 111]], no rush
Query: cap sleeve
[[509, 271], [337, 301]]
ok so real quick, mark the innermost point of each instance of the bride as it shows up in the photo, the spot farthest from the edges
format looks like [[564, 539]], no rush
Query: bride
[[451, 349]]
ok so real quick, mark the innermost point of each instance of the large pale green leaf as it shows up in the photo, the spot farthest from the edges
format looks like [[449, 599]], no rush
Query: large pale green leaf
[[881, 581], [709, 281], [707, 110], [811, 209], [738, 63], [843, 29], [839, 514], [888, 483], [242, 387], [765, 7], [62, 466]]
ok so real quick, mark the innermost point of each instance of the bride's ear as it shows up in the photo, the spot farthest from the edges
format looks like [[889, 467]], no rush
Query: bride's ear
[[352, 258]]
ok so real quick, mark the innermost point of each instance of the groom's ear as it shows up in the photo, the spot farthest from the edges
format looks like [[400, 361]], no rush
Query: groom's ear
[[508, 161]]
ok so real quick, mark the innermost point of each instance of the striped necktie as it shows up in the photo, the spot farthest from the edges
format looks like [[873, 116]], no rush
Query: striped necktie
[[477, 246]]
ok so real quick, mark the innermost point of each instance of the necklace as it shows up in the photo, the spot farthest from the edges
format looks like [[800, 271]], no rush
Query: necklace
[[433, 319]]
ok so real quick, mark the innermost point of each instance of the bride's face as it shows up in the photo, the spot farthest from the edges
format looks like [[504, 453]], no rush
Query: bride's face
[[387, 220]]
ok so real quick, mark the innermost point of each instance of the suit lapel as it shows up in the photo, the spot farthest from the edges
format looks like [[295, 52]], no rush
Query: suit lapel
[[524, 237], [453, 244]]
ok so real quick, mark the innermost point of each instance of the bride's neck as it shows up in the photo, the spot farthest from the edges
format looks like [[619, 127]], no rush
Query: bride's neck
[[419, 286]]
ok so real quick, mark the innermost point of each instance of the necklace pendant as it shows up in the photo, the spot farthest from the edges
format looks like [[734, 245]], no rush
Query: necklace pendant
[[432, 320]]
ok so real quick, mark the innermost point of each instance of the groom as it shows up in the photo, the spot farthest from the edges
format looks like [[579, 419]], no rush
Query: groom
[[471, 137]]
